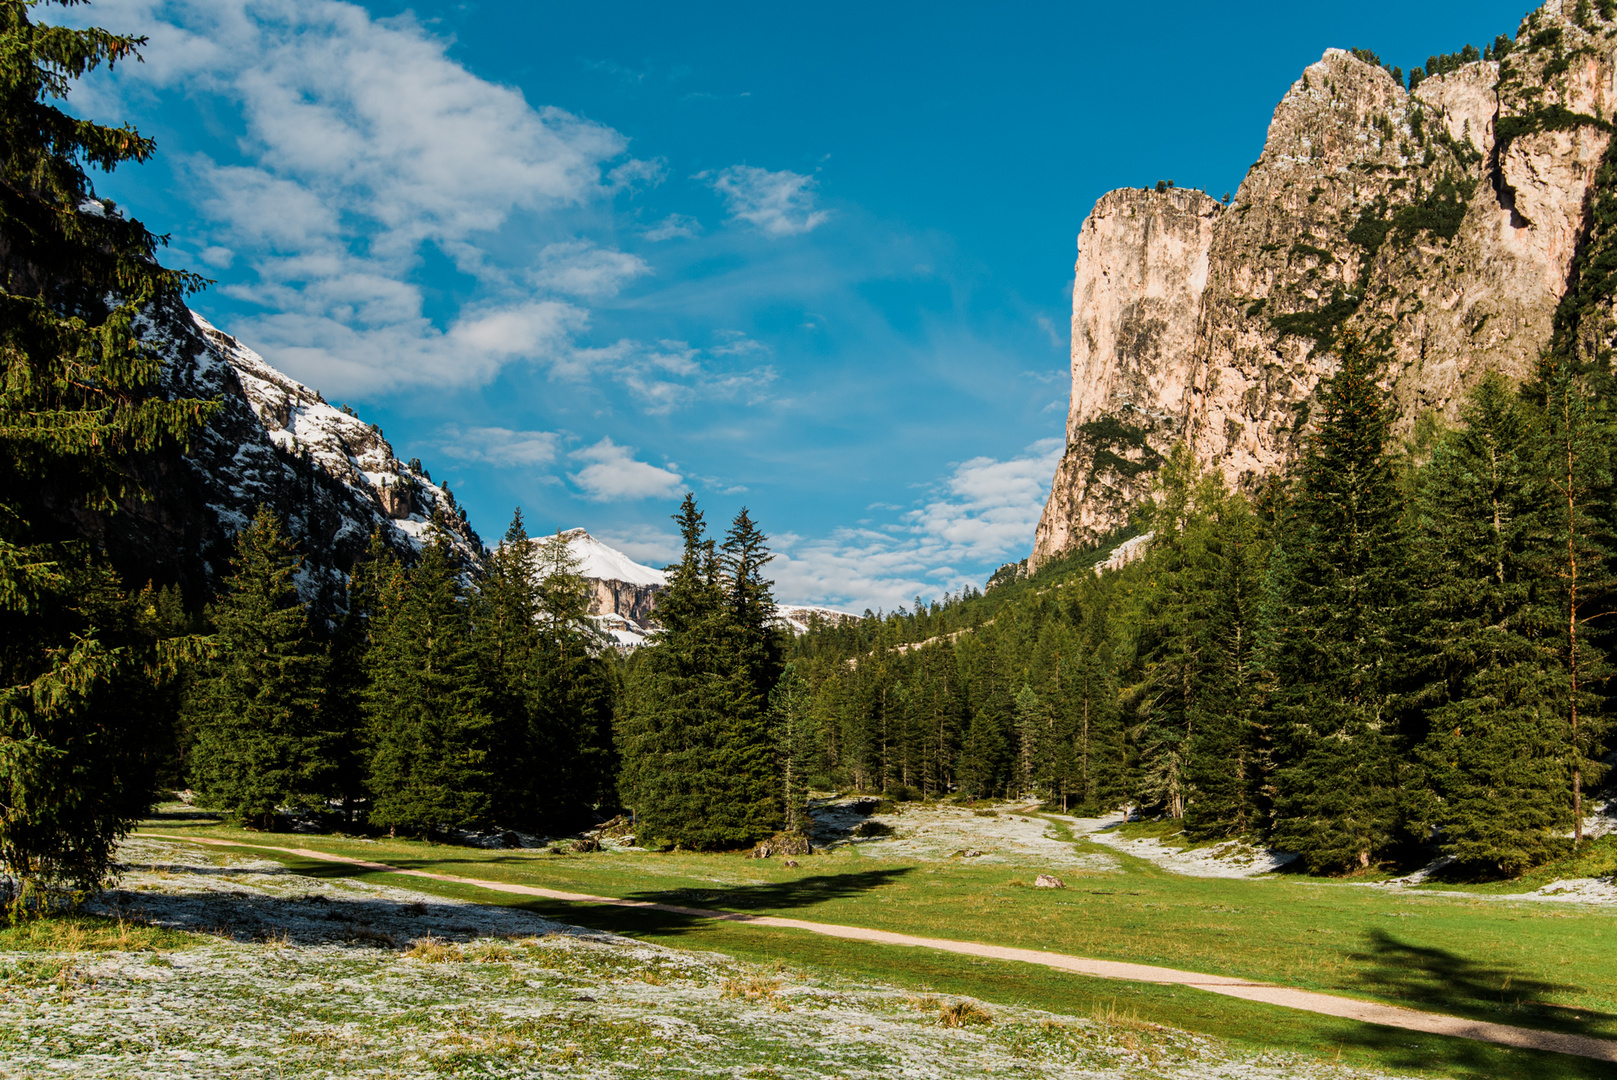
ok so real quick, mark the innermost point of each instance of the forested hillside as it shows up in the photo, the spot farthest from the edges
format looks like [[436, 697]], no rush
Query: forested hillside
[[1395, 645]]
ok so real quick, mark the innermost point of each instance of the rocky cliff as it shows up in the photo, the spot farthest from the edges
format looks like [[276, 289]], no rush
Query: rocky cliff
[[1446, 224], [331, 476]]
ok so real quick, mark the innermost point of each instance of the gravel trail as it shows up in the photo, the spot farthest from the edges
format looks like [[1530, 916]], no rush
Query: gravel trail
[[1267, 993]]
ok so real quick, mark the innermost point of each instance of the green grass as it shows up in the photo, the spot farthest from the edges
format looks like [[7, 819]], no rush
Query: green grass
[[73, 933], [1535, 965]]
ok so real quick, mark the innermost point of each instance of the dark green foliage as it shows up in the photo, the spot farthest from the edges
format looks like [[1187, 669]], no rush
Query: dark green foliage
[[1111, 439], [698, 759], [1495, 746], [1300, 248], [428, 706], [1507, 129], [256, 709], [1228, 751], [1335, 633], [1321, 325], [81, 718]]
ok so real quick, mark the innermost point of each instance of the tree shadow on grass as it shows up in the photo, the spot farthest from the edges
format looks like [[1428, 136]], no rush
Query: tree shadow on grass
[[1424, 976]]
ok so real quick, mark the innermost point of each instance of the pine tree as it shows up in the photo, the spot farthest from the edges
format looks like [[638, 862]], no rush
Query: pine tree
[[1225, 764], [507, 613], [790, 706], [1574, 439], [698, 759], [428, 706], [1494, 745], [1336, 635], [577, 689], [374, 586], [1175, 628], [261, 736], [78, 655]]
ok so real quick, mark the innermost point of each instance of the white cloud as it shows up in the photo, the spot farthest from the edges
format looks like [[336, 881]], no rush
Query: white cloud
[[985, 510], [778, 203], [635, 175], [645, 543], [500, 446], [579, 268], [613, 473], [673, 227], [364, 142]]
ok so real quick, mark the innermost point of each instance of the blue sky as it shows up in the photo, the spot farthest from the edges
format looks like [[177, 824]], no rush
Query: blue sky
[[811, 259]]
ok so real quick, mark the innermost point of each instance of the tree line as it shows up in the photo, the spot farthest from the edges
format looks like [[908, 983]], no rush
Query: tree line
[[1389, 646]]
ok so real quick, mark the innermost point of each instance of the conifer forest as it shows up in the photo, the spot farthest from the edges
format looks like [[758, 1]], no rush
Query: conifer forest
[[1396, 647]]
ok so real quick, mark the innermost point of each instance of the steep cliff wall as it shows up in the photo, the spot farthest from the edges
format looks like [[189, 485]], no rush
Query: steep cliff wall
[[1443, 224]]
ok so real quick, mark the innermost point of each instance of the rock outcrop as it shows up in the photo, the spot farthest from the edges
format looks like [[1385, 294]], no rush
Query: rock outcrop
[[331, 477], [1445, 224]]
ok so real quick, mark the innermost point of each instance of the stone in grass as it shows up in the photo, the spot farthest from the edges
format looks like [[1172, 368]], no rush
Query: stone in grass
[[1049, 881], [585, 844], [966, 853]]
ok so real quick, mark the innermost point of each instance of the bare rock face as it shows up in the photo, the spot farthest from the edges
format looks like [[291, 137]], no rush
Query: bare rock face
[[1142, 266], [1444, 225], [331, 477]]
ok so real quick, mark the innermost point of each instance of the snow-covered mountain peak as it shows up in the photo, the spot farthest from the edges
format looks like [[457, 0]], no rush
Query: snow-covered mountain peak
[[601, 562]]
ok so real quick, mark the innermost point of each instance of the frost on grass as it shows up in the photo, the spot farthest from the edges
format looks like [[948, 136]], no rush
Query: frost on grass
[[308, 977], [933, 831]]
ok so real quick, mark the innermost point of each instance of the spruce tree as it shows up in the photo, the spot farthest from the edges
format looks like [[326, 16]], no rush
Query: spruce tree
[[790, 706], [1336, 631], [432, 731], [577, 689], [1226, 764], [1574, 442], [256, 710], [78, 656], [1494, 748], [698, 759]]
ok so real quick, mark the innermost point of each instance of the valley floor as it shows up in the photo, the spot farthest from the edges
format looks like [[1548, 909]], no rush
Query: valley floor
[[279, 963], [291, 974]]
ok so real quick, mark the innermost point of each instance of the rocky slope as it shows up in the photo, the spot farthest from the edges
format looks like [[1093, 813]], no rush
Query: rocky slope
[[331, 477], [1447, 224]]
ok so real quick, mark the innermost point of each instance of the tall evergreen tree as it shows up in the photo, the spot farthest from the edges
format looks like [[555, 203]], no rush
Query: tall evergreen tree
[[428, 705], [1574, 435], [78, 655], [791, 713], [1336, 633], [256, 710], [698, 760], [1226, 763], [578, 691], [1495, 748]]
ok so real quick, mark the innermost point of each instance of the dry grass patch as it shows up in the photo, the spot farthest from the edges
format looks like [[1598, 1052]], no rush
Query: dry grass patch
[[429, 950], [963, 1014]]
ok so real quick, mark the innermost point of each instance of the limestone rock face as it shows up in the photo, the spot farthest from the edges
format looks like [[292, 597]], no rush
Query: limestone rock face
[[1442, 224], [1142, 266]]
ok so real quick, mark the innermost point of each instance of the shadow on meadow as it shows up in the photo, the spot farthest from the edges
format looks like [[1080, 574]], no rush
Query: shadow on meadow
[[1420, 976]]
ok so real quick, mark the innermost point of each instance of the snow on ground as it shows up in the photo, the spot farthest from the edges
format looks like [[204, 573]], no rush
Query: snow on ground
[[935, 831], [1231, 859], [324, 977]]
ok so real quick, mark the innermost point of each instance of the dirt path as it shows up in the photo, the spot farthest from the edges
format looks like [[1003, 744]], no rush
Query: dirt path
[[1267, 993]]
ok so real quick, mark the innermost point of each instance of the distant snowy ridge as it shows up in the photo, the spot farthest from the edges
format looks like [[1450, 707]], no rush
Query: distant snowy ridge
[[625, 593]]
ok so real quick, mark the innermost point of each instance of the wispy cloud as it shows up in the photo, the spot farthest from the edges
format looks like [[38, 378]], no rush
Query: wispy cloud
[[673, 227], [613, 473], [501, 447], [985, 509], [778, 203]]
